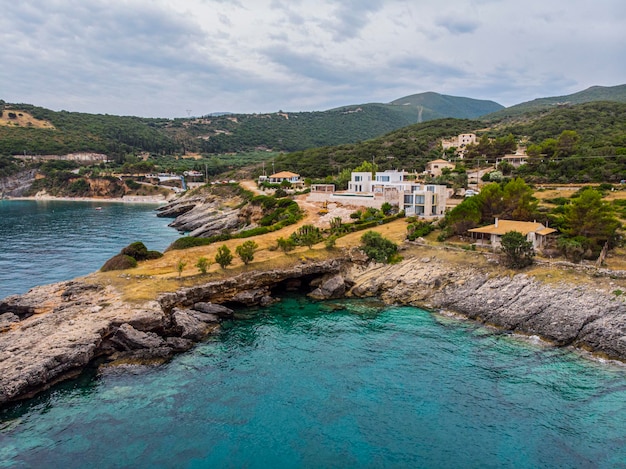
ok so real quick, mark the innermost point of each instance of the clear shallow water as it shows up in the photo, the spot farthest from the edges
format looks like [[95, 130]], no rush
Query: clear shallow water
[[43, 242], [340, 384]]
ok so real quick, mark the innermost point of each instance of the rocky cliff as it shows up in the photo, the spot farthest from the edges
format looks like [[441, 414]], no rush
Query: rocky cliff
[[584, 316], [18, 184], [53, 332]]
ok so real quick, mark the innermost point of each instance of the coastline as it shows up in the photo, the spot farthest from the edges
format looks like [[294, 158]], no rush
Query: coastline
[[53, 331], [130, 199]]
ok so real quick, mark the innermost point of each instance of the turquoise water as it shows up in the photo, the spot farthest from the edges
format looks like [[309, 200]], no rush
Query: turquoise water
[[43, 242], [334, 384]]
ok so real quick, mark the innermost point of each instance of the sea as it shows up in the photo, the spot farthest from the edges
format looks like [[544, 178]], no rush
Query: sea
[[42, 242], [342, 383]]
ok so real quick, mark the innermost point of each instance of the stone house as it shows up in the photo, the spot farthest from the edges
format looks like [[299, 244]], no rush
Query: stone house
[[535, 232]]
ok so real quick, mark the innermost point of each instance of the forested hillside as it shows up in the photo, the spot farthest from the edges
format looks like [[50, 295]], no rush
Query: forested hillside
[[71, 132], [579, 143], [593, 94], [231, 133], [440, 105]]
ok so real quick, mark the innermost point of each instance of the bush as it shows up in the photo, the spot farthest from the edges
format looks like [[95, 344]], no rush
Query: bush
[[203, 265], [223, 257], [285, 244], [246, 251], [378, 248], [517, 250], [119, 262], [138, 250], [419, 229], [307, 235]]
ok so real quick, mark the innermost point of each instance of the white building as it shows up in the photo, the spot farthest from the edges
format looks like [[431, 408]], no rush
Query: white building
[[389, 186], [425, 200], [360, 182]]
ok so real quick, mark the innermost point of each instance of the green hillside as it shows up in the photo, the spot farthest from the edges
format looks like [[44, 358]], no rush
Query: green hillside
[[595, 93], [438, 105], [598, 130], [71, 132]]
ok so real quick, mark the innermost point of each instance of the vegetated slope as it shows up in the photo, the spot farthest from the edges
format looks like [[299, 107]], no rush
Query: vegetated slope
[[73, 131], [227, 133], [600, 125], [408, 148], [291, 131], [441, 105], [347, 124], [595, 93]]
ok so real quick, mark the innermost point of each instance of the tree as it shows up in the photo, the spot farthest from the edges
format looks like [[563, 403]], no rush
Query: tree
[[378, 248], [518, 201], [203, 265], [223, 257], [386, 208], [518, 252], [590, 217], [464, 216], [307, 235], [180, 267], [246, 251]]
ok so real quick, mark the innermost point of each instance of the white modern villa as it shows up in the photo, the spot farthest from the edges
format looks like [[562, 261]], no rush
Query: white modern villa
[[391, 186]]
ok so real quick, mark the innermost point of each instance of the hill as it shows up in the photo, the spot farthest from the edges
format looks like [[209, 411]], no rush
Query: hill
[[25, 128], [600, 129], [440, 105], [593, 94]]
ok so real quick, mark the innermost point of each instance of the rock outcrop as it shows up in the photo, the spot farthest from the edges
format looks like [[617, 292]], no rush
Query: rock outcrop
[[564, 314], [18, 184], [53, 332]]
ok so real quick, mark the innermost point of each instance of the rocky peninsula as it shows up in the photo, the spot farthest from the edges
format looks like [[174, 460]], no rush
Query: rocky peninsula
[[53, 332]]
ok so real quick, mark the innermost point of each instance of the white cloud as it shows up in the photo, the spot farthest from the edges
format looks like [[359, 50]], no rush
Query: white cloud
[[160, 57]]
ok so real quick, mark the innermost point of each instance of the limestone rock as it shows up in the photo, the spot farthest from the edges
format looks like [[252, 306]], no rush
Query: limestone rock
[[221, 311], [128, 338], [333, 287], [187, 326]]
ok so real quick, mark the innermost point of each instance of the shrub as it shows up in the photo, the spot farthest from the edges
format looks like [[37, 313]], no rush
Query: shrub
[[203, 265], [223, 257], [119, 262], [285, 244], [180, 267], [307, 235], [153, 255], [419, 229], [246, 251], [378, 248], [138, 250], [517, 250]]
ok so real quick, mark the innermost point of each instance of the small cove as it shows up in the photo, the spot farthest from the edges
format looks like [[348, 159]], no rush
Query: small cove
[[334, 384]]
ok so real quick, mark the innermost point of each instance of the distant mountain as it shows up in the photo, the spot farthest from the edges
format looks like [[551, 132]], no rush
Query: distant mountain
[[595, 93], [440, 105]]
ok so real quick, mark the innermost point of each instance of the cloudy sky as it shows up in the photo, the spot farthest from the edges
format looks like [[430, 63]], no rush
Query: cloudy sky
[[173, 58]]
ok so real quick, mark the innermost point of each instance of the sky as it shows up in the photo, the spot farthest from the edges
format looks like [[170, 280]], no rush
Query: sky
[[179, 58]]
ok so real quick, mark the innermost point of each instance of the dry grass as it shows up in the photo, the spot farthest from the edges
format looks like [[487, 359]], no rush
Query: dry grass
[[24, 119]]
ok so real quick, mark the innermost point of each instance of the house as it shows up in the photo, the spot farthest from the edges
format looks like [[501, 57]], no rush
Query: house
[[278, 178], [515, 160], [425, 200], [535, 232], [360, 181], [434, 167], [459, 142]]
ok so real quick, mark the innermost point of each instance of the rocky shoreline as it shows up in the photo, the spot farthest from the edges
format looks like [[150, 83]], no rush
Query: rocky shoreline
[[53, 332]]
